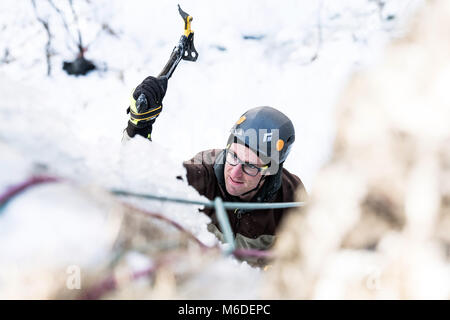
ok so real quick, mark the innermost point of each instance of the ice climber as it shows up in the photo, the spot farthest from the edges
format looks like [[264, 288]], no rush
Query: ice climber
[[248, 169]]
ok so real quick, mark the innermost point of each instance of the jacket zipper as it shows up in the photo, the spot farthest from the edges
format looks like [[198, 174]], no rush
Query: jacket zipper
[[238, 213]]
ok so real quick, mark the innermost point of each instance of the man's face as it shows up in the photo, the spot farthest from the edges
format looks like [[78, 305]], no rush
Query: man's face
[[237, 181]]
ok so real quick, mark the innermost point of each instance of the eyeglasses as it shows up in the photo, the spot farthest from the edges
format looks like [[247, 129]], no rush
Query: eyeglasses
[[248, 168]]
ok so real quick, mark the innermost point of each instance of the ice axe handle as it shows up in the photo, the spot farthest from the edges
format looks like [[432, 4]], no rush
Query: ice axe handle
[[170, 66], [184, 50]]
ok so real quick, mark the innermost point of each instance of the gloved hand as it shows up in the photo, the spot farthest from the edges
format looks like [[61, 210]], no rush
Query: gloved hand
[[146, 105]]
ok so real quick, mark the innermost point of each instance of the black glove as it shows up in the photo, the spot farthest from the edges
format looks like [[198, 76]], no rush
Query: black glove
[[146, 105]]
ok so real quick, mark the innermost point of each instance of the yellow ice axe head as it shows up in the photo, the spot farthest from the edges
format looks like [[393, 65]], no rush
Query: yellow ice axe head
[[187, 21]]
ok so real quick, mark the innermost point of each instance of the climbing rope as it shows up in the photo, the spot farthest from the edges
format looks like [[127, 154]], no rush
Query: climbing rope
[[219, 207], [210, 204], [218, 204], [13, 191], [111, 283]]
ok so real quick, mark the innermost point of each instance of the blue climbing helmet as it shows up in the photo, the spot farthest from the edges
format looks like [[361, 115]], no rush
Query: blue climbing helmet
[[267, 132]]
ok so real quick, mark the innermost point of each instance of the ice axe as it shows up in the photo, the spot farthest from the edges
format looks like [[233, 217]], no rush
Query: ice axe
[[183, 50]]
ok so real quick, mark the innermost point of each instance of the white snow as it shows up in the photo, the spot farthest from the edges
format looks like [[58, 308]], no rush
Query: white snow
[[72, 126]]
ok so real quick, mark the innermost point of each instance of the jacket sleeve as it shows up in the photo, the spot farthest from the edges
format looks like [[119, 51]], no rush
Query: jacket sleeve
[[293, 188], [199, 173], [197, 176]]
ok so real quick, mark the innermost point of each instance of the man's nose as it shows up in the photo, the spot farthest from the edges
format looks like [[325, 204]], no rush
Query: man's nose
[[236, 171]]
